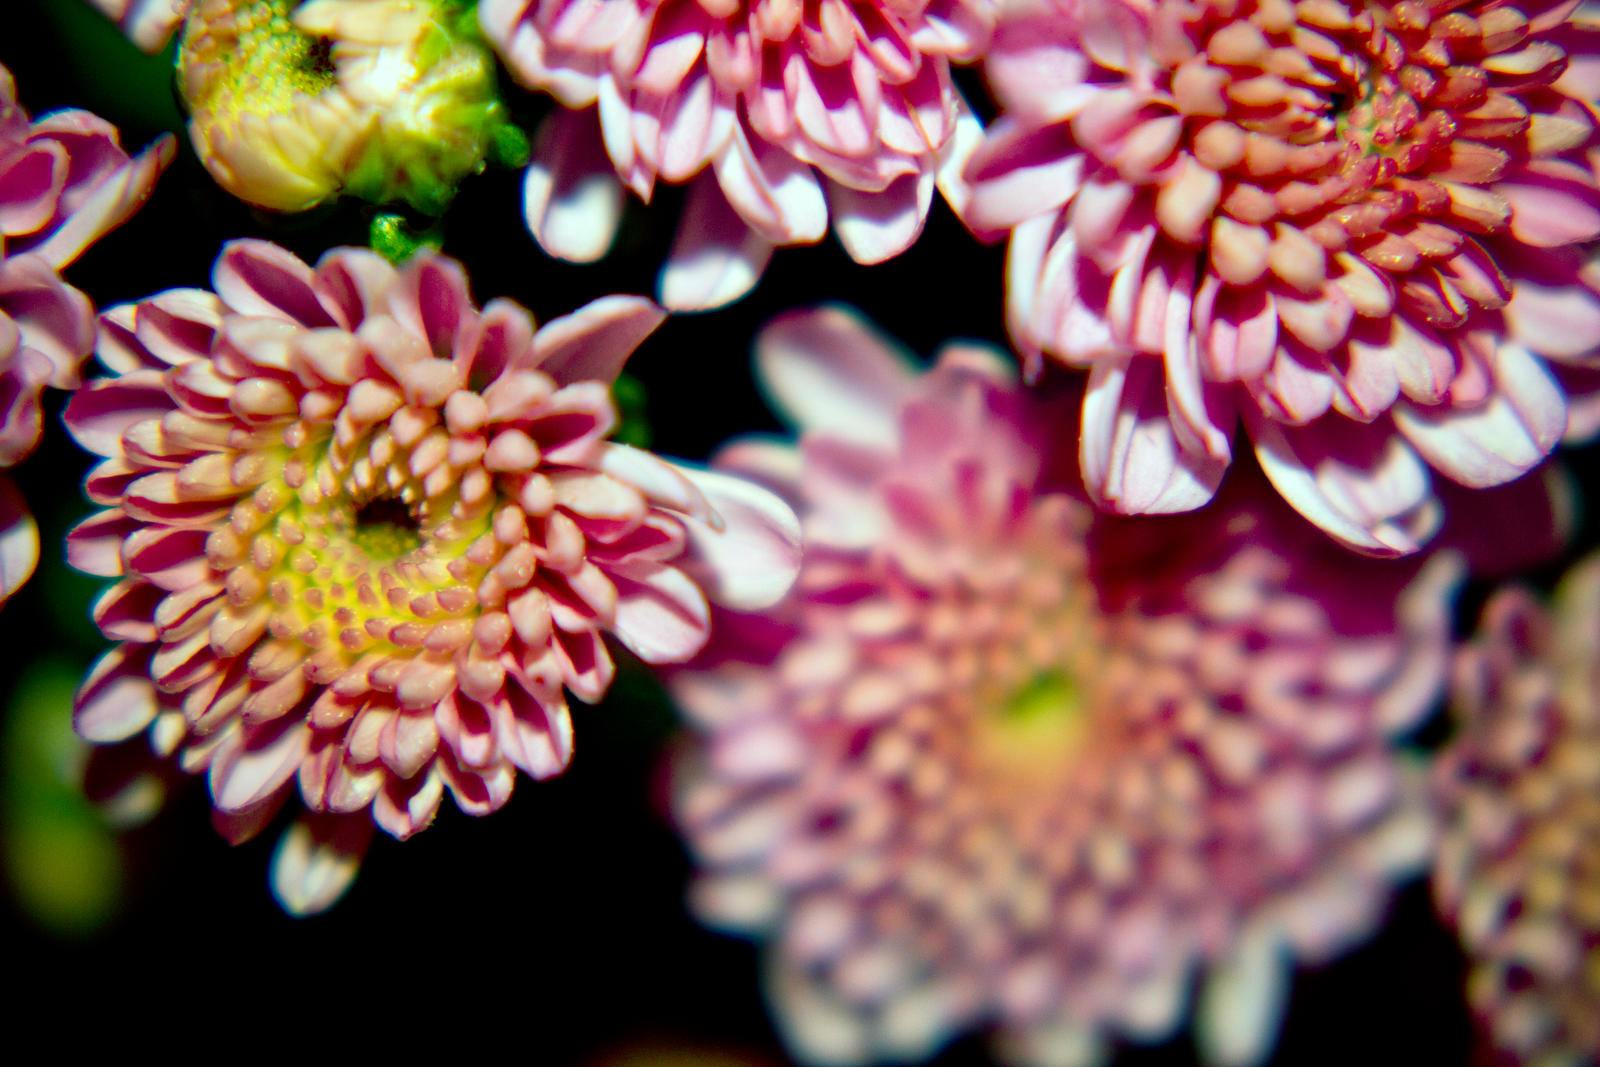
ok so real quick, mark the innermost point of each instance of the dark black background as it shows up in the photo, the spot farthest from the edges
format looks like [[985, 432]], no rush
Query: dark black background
[[554, 929]]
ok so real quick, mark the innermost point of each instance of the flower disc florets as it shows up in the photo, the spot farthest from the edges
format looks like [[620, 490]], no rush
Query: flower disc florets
[[1361, 227], [789, 112], [998, 759], [366, 535], [1518, 870]]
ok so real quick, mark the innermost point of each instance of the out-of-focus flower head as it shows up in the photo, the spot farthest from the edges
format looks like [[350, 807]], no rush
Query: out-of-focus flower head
[[64, 183], [1518, 870], [294, 103], [1362, 228], [365, 535], [782, 113], [1001, 760]]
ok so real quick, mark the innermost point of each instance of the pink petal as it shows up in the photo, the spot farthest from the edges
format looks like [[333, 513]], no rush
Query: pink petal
[[112, 201], [249, 770], [662, 483], [586, 667], [1556, 322], [829, 371], [317, 859], [257, 277], [31, 180], [1201, 414], [52, 318], [677, 36], [1360, 483], [696, 121], [94, 546], [749, 559], [537, 733], [662, 615], [571, 198], [1019, 172], [1033, 69], [830, 108], [953, 160], [1131, 460], [776, 194], [99, 412], [406, 806], [593, 342], [877, 226], [1553, 203], [19, 540], [1520, 423], [716, 258], [479, 791], [117, 700]]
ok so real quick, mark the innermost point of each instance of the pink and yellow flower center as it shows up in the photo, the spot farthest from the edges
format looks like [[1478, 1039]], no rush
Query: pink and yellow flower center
[[344, 551], [1354, 144]]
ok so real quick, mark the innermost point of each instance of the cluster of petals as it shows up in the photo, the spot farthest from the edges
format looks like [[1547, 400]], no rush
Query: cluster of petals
[[64, 182], [782, 113], [1362, 229], [365, 536], [1001, 759], [1518, 869]]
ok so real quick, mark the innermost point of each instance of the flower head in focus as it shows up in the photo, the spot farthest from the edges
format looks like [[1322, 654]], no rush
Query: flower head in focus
[[65, 181], [1518, 870], [1001, 760], [782, 113], [365, 535], [1363, 228], [293, 103]]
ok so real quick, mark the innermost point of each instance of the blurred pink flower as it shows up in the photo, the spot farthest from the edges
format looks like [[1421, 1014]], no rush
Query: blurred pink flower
[[364, 534], [1518, 870], [1362, 229], [782, 113], [1001, 760], [64, 183]]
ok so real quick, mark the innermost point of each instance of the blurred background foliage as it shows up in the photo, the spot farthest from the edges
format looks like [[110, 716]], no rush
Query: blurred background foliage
[[558, 924]]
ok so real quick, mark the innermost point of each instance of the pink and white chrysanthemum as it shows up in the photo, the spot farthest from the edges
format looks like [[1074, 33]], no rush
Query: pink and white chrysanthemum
[[1362, 228], [1518, 870], [64, 183], [999, 759], [783, 114], [365, 536]]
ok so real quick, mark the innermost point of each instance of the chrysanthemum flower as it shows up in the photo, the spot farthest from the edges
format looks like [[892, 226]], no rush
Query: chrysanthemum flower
[[292, 103], [64, 182], [1519, 867], [1361, 228], [999, 759], [782, 113], [364, 534]]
